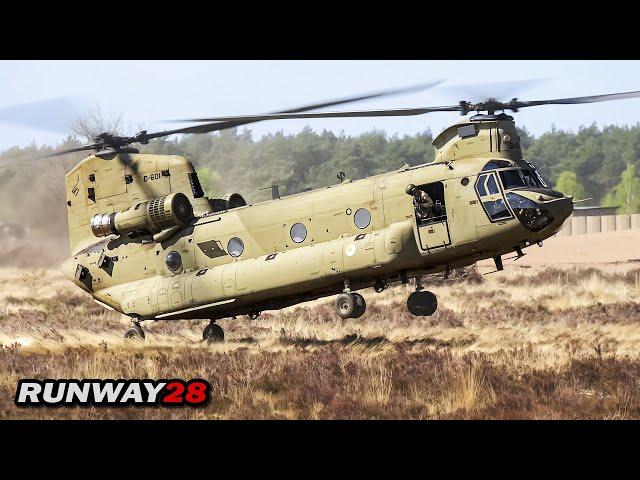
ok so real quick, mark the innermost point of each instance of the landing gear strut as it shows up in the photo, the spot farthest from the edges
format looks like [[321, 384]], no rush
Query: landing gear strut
[[380, 285], [213, 333], [350, 305], [135, 332]]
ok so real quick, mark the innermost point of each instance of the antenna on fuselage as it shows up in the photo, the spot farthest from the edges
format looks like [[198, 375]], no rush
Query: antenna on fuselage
[[275, 191]]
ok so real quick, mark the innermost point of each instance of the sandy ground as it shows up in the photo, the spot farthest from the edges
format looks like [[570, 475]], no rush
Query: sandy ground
[[596, 248]]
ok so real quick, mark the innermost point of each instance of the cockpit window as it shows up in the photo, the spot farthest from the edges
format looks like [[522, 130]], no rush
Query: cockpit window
[[512, 179], [482, 191], [537, 176], [531, 178], [494, 164], [492, 186], [518, 178]]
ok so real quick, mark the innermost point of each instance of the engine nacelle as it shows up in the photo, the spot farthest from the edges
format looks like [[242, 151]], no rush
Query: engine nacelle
[[228, 202], [152, 216]]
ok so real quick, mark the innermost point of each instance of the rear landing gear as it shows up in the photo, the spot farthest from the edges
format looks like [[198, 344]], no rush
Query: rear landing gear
[[135, 333], [350, 305], [213, 333], [422, 304]]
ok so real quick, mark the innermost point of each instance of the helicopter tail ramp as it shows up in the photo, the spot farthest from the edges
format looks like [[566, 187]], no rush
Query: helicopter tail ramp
[[105, 184]]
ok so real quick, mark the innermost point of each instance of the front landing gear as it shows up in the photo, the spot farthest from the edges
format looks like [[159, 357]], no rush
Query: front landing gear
[[350, 305], [213, 333], [135, 333], [422, 304]]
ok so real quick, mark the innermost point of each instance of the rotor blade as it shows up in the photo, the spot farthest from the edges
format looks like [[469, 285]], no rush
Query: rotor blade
[[399, 112], [54, 114], [231, 122], [577, 100], [81, 148], [342, 101], [481, 92]]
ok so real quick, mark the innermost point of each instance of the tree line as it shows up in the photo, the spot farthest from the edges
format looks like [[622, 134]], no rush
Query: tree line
[[601, 163]]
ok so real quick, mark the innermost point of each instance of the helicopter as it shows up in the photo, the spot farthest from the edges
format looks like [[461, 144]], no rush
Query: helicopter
[[147, 242]]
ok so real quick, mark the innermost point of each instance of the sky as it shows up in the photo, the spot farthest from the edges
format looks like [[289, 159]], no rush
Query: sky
[[147, 92]]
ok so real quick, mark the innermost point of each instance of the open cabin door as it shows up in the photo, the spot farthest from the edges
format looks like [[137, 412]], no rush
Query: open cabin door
[[430, 226]]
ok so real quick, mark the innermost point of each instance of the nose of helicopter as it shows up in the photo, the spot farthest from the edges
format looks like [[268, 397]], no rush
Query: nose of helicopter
[[540, 210], [560, 209]]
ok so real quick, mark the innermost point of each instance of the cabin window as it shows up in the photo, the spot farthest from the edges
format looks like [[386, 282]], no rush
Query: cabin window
[[362, 218], [235, 247], [298, 232], [173, 261]]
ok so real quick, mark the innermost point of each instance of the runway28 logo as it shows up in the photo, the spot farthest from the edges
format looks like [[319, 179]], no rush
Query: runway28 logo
[[112, 393]]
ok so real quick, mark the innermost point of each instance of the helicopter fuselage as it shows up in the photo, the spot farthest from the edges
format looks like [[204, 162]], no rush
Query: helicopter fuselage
[[486, 201]]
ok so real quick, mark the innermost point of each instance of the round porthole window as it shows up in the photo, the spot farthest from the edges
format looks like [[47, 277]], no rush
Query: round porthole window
[[362, 218], [235, 247], [173, 261], [298, 232]]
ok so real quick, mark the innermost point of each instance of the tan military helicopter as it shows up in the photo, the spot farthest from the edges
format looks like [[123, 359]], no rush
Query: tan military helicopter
[[146, 242]]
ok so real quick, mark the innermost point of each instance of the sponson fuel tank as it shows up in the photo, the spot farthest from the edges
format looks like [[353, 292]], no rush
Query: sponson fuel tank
[[205, 291]]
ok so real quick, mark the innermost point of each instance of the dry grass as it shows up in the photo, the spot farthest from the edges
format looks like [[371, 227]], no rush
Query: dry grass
[[524, 343]]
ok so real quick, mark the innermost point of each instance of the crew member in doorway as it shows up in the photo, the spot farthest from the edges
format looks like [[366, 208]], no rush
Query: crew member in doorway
[[422, 203]]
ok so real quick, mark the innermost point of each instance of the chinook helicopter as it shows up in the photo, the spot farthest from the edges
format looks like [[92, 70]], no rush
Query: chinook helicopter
[[147, 242]]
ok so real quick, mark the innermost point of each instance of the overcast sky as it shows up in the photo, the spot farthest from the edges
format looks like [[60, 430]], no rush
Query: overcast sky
[[147, 92]]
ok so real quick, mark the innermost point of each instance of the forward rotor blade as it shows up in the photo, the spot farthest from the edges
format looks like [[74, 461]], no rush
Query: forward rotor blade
[[398, 112], [342, 101], [577, 100], [481, 92]]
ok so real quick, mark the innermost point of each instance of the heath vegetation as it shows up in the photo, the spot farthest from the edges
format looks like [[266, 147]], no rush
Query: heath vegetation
[[525, 343]]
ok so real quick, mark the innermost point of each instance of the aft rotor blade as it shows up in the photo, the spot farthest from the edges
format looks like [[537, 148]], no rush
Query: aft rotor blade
[[577, 100], [481, 92], [342, 101], [53, 114], [82, 148]]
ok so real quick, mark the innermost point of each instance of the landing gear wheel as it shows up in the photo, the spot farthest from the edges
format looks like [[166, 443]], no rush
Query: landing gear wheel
[[361, 305], [254, 315], [346, 305], [422, 304], [213, 333], [135, 333]]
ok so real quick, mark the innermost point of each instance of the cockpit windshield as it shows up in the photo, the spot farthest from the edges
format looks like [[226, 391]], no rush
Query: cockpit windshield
[[519, 178]]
